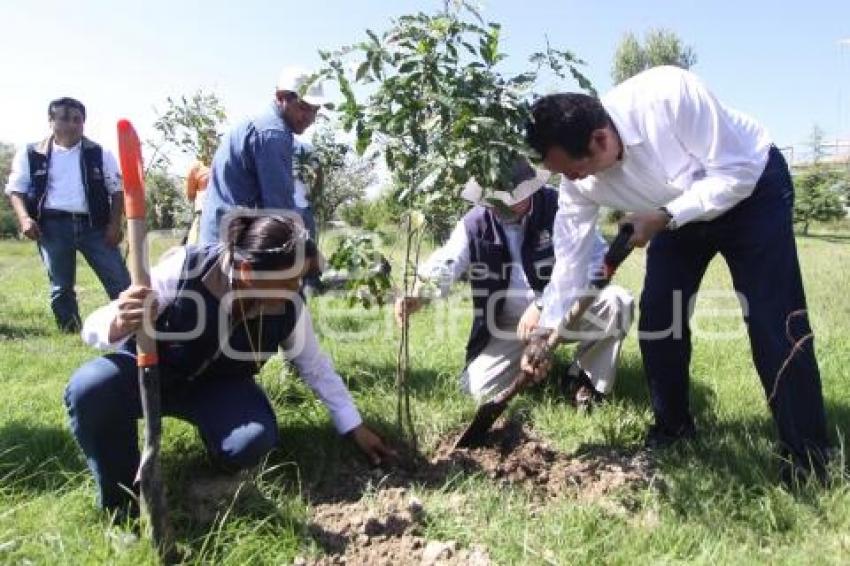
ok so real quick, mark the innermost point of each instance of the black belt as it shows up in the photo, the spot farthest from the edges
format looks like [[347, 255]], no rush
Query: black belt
[[51, 213]]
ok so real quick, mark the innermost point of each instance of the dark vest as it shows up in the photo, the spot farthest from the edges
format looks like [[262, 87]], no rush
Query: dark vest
[[202, 356], [491, 262], [91, 167]]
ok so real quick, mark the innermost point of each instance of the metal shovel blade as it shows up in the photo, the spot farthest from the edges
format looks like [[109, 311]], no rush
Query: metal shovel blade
[[476, 433]]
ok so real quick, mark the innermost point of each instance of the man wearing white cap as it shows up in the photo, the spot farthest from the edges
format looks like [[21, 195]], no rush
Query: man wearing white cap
[[507, 249], [252, 166]]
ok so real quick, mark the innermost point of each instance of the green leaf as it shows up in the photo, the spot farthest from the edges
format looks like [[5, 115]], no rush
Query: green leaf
[[407, 67], [361, 71], [364, 137], [373, 37]]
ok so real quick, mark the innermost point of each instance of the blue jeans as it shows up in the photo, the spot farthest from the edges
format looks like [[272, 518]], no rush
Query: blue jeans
[[756, 239], [233, 415], [62, 235]]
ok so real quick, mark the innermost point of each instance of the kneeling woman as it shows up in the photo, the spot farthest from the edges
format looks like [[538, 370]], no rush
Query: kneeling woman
[[238, 302]]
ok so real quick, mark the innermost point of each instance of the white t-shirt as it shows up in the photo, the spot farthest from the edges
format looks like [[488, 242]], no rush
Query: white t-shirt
[[65, 189]]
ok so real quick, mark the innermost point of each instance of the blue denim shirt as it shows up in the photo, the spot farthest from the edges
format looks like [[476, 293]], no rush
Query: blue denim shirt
[[252, 168]]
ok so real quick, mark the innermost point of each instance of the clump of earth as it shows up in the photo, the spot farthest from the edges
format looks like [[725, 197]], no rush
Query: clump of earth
[[365, 515], [385, 526]]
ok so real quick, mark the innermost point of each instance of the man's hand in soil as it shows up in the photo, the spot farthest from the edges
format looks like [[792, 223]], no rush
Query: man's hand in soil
[[30, 229], [537, 359], [372, 446]]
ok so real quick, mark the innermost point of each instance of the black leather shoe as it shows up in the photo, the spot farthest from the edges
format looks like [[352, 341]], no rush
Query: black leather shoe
[[659, 437], [586, 396]]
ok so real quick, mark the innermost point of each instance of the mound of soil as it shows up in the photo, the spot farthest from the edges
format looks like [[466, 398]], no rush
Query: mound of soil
[[514, 456], [384, 526], [383, 529]]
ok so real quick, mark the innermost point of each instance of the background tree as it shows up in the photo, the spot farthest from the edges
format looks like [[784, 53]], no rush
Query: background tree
[[660, 47], [820, 189], [440, 111], [820, 196], [167, 207], [345, 175], [189, 125], [192, 126], [8, 221]]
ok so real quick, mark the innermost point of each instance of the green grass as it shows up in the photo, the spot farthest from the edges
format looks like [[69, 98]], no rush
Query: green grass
[[722, 502]]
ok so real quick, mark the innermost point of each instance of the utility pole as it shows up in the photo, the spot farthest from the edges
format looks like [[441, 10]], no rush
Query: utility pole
[[843, 44]]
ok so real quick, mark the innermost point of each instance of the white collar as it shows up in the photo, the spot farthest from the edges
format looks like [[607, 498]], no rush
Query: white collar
[[62, 149]]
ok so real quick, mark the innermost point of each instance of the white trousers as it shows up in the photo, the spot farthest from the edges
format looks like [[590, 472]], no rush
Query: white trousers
[[600, 337]]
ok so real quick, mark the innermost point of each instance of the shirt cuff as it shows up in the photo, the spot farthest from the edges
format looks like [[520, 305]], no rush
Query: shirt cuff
[[439, 274], [346, 419], [553, 310], [16, 189], [95, 330], [686, 208]]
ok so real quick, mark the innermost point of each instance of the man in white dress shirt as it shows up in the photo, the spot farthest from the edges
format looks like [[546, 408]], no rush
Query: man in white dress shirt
[[698, 179], [508, 253]]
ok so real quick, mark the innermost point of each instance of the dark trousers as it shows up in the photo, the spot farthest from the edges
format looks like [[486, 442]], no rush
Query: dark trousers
[[757, 241], [233, 415]]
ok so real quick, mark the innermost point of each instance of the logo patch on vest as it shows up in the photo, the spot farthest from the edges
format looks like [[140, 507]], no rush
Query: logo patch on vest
[[544, 241]]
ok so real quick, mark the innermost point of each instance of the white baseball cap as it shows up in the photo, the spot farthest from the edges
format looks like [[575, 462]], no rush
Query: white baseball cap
[[293, 78], [526, 181]]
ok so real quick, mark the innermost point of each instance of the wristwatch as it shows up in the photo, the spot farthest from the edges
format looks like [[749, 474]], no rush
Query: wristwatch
[[671, 222]]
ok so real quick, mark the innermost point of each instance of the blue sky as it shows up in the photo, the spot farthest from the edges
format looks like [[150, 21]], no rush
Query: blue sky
[[779, 61]]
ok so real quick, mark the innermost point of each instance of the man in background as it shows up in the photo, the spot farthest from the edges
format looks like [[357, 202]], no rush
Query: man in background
[[252, 166], [196, 184], [66, 193]]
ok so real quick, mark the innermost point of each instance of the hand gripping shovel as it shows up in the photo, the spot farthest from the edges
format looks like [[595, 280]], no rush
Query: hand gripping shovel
[[476, 433], [149, 476]]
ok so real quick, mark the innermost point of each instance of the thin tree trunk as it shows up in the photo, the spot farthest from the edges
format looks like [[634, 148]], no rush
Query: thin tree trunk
[[403, 415]]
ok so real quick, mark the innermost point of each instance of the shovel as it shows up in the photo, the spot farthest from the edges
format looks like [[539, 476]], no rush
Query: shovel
[[476, 433], [149, 476]]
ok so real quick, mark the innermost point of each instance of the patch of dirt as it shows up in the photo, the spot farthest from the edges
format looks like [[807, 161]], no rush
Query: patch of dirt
[[513, 455], [385, 526], [383, 529]]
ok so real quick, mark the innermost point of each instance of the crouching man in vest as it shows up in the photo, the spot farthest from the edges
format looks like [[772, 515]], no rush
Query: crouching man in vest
[[508, 251], [66, 193], [222, 310]]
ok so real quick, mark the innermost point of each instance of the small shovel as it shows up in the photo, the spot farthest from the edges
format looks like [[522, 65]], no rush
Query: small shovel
[[476, 433], [149, 475]]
